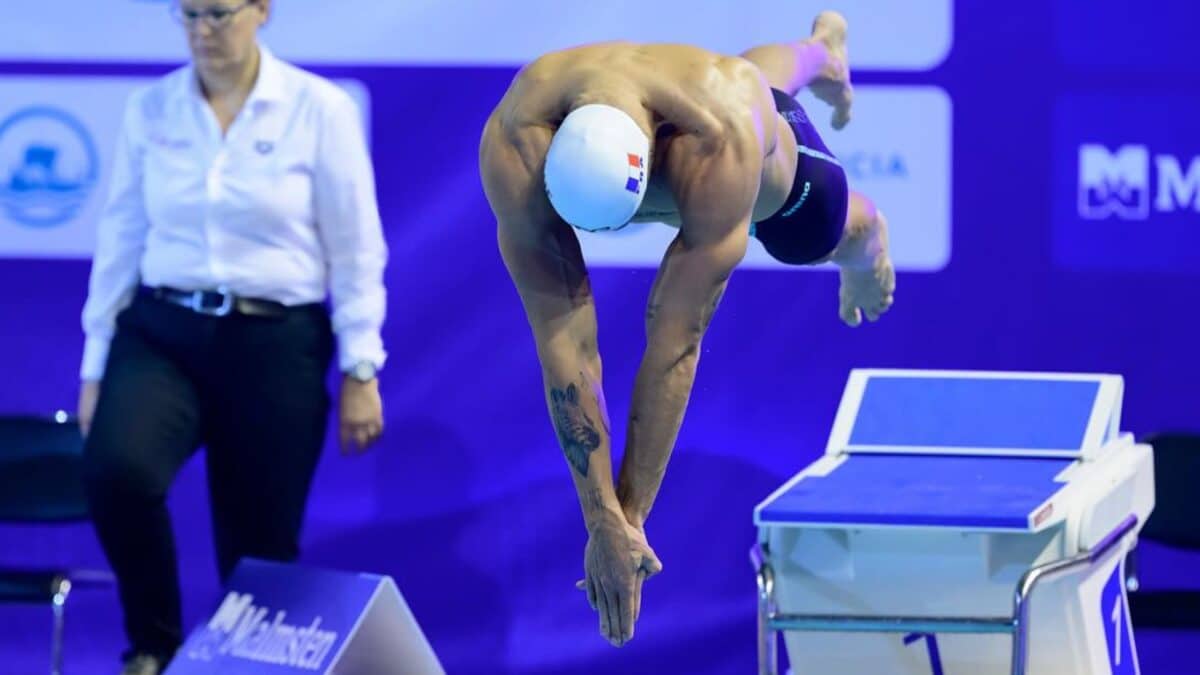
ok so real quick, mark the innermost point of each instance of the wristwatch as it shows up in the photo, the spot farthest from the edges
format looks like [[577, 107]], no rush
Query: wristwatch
[[363, 371]]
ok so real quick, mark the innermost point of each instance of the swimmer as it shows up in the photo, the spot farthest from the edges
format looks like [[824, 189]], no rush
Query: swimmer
[[598, 136]]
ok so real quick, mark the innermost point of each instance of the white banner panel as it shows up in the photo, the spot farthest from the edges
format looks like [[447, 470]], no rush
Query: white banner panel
[[885, 34], [57, 139], [896, 150]]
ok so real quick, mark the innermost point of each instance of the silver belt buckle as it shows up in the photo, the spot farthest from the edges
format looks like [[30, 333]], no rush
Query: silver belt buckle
[[196, 303]]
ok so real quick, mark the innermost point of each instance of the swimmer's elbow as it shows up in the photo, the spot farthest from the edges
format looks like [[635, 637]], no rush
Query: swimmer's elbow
[[566, 348]]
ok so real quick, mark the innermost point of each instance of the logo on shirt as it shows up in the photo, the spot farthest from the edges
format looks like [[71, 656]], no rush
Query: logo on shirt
[[169, 143], [48, 166], [264, 147]]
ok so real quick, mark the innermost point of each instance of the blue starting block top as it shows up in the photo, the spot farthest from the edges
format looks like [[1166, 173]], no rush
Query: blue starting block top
[[964, 449], [975, 493]]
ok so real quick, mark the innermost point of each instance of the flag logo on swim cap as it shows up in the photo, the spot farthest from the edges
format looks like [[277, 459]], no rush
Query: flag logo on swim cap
[[636, 174], [596, 167]]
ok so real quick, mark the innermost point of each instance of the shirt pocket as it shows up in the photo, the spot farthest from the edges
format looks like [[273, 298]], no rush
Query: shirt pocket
[[276, 157], [278, 173]]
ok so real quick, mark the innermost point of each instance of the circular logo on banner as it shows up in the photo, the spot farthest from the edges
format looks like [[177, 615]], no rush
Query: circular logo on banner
[[48, 166]]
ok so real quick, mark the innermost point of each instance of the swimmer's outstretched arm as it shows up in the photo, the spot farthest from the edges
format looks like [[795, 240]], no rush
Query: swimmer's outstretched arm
[[549, 273], [550, 276], [689, 288], [543, 258], [715, 201]]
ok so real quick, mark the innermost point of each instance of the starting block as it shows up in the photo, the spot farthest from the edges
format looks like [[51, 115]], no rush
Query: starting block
[[958, 522]]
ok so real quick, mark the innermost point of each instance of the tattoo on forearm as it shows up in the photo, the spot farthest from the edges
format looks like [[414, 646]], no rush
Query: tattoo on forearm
[[592, 501], [576, 431]]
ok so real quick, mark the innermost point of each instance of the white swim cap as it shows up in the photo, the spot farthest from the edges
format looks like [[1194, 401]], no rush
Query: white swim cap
[[597, 167]]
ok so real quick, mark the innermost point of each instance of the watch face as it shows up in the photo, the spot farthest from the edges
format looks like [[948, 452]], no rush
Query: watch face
[[364, 372]]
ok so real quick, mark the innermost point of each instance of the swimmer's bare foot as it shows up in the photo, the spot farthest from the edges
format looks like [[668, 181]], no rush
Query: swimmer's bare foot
[[868, 278], [833, 84]]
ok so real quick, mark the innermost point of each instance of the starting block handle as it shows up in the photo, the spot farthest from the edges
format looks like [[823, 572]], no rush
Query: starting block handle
[[1036, 575]]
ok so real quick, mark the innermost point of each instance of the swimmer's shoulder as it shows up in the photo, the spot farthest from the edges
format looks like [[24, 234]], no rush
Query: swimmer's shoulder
[[541, 91], [572, 63], [735, 95], [542, 79]]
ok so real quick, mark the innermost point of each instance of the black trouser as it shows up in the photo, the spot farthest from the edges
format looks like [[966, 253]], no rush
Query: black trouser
[[252, 391]]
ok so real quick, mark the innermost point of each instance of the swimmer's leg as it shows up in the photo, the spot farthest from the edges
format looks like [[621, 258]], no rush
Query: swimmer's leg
[[818, 62], [868, 279]]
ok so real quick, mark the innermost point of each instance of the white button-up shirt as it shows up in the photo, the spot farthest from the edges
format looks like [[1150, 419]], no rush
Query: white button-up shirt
[[282, 207]]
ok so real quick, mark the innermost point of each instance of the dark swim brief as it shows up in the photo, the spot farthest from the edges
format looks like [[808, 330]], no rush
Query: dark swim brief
[[809, 224]]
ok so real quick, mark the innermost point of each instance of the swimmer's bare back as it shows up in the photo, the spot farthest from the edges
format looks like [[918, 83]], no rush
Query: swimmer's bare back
[[685, 98], [713, 121]]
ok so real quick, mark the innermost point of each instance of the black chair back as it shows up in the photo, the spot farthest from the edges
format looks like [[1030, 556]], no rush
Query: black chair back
[[41, 471], [1176, 517]]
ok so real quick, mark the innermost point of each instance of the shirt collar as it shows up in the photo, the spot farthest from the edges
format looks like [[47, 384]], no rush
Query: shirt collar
[[269, 87]]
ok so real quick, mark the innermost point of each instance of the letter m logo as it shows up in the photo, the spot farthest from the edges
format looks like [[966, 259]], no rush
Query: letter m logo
[[1114, 183]]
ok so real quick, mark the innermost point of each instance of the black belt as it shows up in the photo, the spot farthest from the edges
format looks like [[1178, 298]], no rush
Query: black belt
[[216, 303]]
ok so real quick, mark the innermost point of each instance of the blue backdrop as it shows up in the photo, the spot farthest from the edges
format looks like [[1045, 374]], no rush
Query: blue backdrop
[[467, 502]]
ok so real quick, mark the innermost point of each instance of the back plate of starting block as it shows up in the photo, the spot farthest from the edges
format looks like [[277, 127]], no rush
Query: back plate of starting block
[[932, 412], [278, 618]]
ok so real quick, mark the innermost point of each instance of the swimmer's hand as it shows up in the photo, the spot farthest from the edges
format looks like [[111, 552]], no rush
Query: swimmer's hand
[[868, 278], [616, 561]]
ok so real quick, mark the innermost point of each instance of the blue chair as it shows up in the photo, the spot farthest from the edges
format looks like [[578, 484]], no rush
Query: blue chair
[[41, 481]]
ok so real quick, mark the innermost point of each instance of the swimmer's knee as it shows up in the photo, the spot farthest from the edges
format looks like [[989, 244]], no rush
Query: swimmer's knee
[[862, 211]]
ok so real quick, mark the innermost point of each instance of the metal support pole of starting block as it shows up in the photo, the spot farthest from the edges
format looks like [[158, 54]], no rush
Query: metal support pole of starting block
[[771, 622]]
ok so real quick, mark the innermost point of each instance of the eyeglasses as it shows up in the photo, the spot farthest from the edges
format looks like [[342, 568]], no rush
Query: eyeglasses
[[214, 17]]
